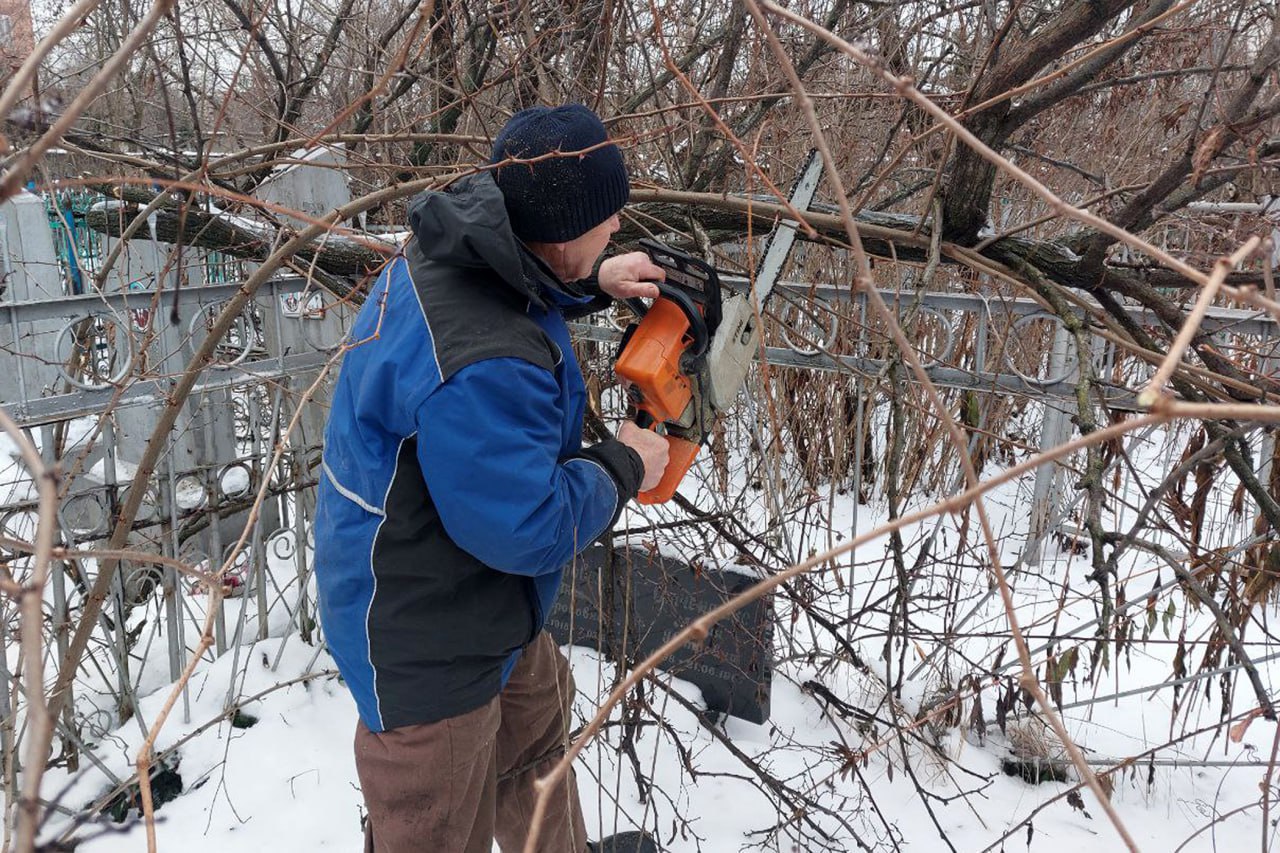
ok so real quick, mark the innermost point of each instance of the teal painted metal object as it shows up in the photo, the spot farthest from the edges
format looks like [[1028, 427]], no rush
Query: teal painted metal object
[[79, 248]]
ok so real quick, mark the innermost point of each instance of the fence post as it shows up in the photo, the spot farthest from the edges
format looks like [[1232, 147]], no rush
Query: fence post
[[1055, 429], [28, 271]]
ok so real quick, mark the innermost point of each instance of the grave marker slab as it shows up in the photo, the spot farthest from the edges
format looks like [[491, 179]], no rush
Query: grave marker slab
[[733, 666]]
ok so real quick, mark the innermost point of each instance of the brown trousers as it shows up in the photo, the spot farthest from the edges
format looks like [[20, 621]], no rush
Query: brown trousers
[[455, 785]]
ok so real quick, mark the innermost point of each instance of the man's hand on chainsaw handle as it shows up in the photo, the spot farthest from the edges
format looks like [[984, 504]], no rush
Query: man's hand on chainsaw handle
[[653, 452], [632, 274]]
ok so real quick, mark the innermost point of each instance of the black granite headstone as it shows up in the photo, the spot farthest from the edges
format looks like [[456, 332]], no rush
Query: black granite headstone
[[648, 598]]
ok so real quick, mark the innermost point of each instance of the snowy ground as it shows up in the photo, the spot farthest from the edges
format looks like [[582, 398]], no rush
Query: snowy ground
[[287, 782]]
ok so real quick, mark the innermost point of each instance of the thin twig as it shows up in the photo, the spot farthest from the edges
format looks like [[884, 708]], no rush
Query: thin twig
[[40, 719], [1192, 325]]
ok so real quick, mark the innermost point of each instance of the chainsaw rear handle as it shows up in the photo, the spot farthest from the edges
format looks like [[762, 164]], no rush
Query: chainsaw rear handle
[[681, 454]]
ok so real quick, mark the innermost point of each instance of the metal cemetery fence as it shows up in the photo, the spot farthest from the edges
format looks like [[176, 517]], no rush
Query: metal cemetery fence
[[215, 460], [86, 365]]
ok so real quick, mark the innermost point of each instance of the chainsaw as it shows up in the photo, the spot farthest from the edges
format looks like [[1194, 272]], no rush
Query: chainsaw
[[689, 352], [683, 361]]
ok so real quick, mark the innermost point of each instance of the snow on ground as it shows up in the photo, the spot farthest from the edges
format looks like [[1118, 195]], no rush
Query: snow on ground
[[287, 782]]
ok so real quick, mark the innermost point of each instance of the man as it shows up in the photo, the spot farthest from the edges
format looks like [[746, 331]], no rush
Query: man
[[455, 488]]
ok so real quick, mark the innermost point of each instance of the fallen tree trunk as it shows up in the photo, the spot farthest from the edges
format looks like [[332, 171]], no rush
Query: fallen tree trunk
[[885, 235], [722, 217], [340, 256]]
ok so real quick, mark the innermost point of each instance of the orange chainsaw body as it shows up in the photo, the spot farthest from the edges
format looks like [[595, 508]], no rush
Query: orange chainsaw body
[[659, 356], [651, 362]]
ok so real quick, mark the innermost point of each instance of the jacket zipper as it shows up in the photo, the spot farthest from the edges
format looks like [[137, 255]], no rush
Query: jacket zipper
[[535, 606]]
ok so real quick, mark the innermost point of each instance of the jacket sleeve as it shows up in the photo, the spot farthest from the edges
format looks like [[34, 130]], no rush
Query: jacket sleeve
[[594, 299], [488, 444]]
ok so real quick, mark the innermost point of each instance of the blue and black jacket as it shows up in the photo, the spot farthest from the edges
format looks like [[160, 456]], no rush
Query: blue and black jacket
[[455, 487]]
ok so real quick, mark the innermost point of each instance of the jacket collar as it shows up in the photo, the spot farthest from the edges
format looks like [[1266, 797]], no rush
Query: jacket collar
[[466, 225]]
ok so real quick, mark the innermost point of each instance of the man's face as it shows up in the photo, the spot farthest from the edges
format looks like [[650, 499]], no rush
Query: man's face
[[580, 254]]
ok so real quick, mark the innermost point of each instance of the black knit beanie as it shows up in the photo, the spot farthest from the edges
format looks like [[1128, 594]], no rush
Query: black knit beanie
[[557, 199]]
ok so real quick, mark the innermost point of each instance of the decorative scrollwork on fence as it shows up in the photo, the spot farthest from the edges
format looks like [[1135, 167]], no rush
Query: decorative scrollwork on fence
[[236, 345], [84, 516], [1027, 355], [94, 352]]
